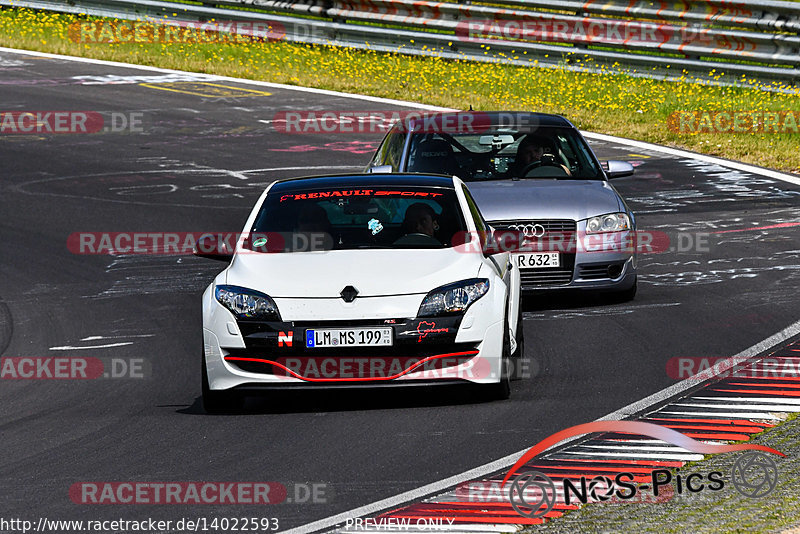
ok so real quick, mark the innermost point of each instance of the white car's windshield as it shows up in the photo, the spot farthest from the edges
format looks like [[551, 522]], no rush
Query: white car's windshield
[[355, 218], [502, 153]]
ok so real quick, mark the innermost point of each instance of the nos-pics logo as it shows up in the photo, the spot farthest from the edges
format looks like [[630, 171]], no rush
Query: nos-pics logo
[[533, 494]]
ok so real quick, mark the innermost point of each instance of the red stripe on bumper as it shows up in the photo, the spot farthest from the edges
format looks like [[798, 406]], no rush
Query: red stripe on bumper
[[367, 379]]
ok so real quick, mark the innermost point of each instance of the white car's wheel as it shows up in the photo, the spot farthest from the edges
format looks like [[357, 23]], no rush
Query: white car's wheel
[[519, 355], [502, 390], [218, 401]]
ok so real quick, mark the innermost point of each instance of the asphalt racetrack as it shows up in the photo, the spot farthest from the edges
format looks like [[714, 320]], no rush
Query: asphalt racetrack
[[196, 162]]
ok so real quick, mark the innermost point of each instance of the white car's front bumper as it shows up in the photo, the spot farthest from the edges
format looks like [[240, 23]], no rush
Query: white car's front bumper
[[465, 349]]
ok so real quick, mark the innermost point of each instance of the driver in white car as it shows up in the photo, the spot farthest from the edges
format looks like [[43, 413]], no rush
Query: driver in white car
[[420, 218]]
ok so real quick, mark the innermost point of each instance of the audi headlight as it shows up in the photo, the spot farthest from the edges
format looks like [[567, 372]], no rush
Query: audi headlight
[[247, 303], [610, 222], [453, 298]]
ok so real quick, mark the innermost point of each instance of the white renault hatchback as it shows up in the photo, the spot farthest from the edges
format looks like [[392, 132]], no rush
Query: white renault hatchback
[[356, 281]]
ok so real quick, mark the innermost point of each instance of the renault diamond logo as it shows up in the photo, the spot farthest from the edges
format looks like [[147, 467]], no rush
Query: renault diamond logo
[[529, 230], [349, 294]]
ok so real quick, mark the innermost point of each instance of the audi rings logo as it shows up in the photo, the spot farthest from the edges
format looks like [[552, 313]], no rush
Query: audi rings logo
[[532, 494], [529, 230], [754, 475]]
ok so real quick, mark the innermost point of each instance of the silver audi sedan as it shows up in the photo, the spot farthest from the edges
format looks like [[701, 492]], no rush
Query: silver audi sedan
[[533, 174]]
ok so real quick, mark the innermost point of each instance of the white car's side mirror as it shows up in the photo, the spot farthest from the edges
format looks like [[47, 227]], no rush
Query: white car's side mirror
[[211, 247]]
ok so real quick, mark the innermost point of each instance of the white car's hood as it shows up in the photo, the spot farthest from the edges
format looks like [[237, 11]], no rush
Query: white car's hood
[[372, 272]]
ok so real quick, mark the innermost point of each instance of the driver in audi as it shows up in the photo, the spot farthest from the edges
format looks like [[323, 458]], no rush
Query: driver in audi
[[535, 148]]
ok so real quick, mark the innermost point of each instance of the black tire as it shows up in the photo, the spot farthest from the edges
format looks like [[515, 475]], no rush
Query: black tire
[[502, 390], [518, 357], [218, 402]]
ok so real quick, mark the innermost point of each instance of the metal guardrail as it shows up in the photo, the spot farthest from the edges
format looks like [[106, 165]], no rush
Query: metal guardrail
[[758, 40], [757, 14], [483, 23]]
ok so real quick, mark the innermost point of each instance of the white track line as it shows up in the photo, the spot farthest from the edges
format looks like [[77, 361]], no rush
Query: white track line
[[96, 338], [722, 367], [688, 457], [767, 407], [775, 400], [214, 77], [633, 446], [643, 452], [312, 167], [88, 347], [509, 460], [699, 157], [724, 415]]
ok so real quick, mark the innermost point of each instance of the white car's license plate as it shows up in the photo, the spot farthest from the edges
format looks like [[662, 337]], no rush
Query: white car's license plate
[[349, 337], [538, 260]]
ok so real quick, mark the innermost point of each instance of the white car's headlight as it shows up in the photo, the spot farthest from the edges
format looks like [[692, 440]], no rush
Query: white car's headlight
[[610, 222], [453, 298], [247, 303]]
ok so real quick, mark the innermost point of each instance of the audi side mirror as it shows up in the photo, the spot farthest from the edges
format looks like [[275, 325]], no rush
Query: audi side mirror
[[380, 169], [617, 169]]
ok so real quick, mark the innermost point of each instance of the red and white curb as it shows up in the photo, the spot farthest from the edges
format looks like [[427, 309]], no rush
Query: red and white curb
[[724, 410]]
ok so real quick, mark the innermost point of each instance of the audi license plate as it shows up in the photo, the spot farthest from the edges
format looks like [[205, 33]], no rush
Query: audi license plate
[[349, 337], [538, 260]]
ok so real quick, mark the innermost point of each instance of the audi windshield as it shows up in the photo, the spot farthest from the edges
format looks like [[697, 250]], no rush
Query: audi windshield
[[502, 153]]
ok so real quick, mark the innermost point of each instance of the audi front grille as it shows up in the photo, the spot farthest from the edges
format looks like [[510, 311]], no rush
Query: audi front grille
[[536, 277]]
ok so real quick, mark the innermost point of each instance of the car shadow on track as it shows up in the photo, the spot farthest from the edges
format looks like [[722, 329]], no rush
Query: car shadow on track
[[341, 400], [344, 400], [564, 300]]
